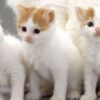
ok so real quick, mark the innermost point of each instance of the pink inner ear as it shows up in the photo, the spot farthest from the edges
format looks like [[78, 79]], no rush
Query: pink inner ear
[[19, 7], [46, 16], [49, 16], [80, 13]]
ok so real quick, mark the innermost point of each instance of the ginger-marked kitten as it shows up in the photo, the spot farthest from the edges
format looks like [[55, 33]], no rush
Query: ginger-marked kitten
[[89, 20], [12, 72], [51, 53]]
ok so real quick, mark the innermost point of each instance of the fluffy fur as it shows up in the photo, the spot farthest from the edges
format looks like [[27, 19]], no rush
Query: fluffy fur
[[90, 29], [12, 71], [51, 53]]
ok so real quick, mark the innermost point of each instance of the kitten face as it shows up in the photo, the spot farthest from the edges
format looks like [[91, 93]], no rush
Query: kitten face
[[32, 22], [89, 22]]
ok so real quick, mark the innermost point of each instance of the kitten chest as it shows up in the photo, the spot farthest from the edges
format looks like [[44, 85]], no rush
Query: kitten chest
[[94, 58]]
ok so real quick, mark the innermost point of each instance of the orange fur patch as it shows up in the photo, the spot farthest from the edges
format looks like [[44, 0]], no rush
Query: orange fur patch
[[43, 22], [24, 14], [84, 15], [37, 16]]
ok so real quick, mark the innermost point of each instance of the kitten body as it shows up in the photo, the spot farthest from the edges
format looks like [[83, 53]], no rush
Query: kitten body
[[12, 71], [53, 55], [90, 28]]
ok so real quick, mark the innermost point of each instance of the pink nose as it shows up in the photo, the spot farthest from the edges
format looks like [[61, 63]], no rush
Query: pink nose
[[29, 39], [97, 31]]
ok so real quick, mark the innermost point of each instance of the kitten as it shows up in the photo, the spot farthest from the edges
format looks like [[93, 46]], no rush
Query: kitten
[[89, 20], [51, 53], [12, 72]]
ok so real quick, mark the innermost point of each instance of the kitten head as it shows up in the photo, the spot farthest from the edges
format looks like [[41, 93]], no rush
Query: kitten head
[[89, 22], [33, 22]]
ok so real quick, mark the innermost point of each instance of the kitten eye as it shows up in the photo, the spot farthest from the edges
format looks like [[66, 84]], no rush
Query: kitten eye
[[37, 31], [90, 24], [24, 29]]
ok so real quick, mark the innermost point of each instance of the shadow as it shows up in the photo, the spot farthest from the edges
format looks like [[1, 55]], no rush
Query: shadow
[[7, 17]]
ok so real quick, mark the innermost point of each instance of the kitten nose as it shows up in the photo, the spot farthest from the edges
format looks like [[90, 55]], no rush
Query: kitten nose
[[97, 31], [29, 39]]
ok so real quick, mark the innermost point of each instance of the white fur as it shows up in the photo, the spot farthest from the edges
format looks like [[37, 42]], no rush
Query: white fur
[[12, 71], [91, 57], [55, 58]]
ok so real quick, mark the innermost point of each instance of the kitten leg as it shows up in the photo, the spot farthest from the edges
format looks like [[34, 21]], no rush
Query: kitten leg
[[34, 87], [60, 84], [90, 84], [46, 88], [73, 95], [17, 83], [75, 88], [75, 83]]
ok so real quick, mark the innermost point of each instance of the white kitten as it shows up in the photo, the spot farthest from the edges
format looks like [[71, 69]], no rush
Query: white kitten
[[90, 28], [51, 53], [12, 71]]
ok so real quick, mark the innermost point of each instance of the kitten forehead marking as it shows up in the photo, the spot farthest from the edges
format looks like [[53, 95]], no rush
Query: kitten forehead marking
[[43, 17]]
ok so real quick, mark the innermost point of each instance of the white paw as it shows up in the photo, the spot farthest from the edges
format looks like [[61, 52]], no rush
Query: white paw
[[88, 97], [73, 95], [31, 96], [56, 98]]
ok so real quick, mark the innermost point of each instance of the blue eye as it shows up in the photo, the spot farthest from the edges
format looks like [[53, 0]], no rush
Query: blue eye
[[37, 31], [24, 29], [90, 24]]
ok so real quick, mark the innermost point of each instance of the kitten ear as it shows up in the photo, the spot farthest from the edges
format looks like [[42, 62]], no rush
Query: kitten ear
[[49, 15], [20, 8], [90, 13], [84, 14], [80, 13]]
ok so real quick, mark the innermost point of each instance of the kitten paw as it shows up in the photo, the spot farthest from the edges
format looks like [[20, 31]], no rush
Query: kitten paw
[[88, 97], [31, 96], [56, 98], [73, 95]]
